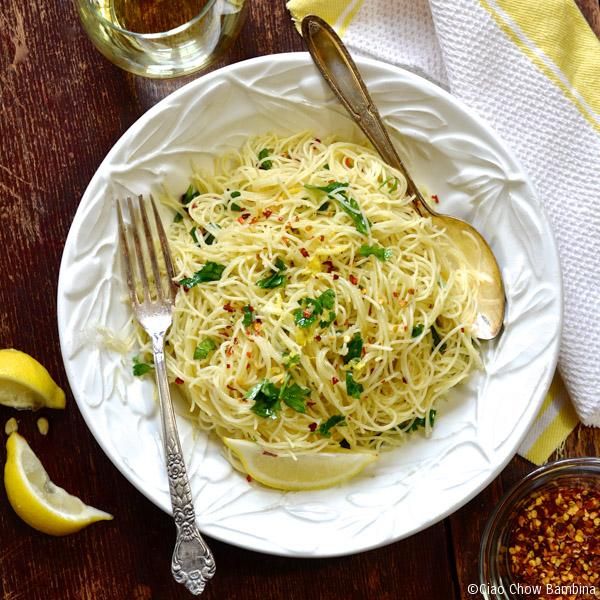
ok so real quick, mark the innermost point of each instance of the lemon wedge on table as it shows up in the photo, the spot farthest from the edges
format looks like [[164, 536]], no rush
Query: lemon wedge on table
[[25, 383], [304, 472], [40, 503]]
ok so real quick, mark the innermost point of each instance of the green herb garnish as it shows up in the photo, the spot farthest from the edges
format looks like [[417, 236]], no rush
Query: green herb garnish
[[327, 322], [276, 279], [437, 339], [249, 317], [266, 399], [380, 252], [417, 330], [325, 428], [189, 194], [235, 194], [313, 307], [392, 183], [355, 346], [140, 368], [419, 422], [335, 191], [295, 397], [352, 388], [177, 218], [291, 360], [236, 207], [204, 349], [264, 164], [211, 271], [323, 206]]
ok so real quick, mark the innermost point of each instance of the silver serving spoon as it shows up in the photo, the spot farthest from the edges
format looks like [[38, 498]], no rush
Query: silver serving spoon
[[337, 67]]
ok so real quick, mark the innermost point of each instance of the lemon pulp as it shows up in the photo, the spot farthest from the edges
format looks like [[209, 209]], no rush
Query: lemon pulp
[[38, 501], [304, 472]]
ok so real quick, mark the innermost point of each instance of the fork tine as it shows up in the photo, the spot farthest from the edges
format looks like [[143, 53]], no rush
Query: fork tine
[[151, 251], [138, 248], [164, 244], [126, 256]]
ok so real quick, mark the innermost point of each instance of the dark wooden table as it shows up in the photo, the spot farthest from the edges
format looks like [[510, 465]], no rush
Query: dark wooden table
[[62, 108]]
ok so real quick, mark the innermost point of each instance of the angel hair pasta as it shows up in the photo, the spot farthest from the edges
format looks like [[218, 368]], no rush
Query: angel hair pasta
[[317, 308]]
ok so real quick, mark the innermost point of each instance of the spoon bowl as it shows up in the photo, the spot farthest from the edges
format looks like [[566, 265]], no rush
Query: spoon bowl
[[341, 73]]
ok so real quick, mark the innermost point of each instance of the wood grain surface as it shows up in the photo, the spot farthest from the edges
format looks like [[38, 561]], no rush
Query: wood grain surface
[[62, 108]]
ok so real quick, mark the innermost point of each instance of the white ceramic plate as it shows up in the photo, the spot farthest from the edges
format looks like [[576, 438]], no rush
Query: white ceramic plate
[[451, 152]]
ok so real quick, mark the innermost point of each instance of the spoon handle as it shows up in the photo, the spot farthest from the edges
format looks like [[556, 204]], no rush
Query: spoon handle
[[337, 67]]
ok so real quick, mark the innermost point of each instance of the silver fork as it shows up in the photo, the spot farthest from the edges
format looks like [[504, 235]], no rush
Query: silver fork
[[193, 563]]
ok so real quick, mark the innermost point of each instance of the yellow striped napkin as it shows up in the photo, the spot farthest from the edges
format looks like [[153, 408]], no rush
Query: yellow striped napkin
[[532, 69]]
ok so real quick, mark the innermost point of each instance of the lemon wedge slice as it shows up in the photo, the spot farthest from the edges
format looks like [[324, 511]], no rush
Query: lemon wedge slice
[[25, 383], [305, 472], [40, 503]]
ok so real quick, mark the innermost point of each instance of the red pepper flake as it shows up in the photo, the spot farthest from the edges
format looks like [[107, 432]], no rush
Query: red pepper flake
[[228, 307], [348, 162], [254, 220], [462, 329], [304, 252], [240, 220], [317, 338], [329, 265], [395, 294], [307, 314], [178, 381], [435, 198], [411, 291], [247, 366], [235, 341], [353, 279], [334, 380], [248, 478], [335, 276], [321, 238], [249, 354], [245, 216], [229, 351], [267, 213], [280, 219], [267, 453], [554, 540], [312, 426], [309, 403], [228, 365]]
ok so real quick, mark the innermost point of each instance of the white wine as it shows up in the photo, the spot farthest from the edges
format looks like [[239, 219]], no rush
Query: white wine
[[162, 38], [154, 16]]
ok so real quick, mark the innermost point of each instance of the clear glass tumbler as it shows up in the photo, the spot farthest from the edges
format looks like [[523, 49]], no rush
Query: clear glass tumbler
[[162, 38]]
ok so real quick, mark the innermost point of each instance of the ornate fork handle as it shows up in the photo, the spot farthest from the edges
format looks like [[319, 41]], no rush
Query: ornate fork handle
[[193, 563]]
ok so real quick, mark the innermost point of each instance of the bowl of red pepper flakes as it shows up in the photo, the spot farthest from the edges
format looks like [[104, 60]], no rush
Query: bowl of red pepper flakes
[[543, 540]]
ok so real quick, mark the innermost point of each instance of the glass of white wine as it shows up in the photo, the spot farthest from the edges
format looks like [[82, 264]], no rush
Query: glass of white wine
[[162, 38]]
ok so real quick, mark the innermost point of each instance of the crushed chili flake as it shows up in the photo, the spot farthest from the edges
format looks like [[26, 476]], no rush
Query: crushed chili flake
[[462, 329], [321, 238], [280, 219], [229, 351], [248, 478], [304, 252], [249, 354], [317, 338], [309, 403], [228, 366], [555, 540], [395, 294], [334, 380], [329, 265], [312, 426], [435, 198], [335, 276], [267, 213], [178, 380], [411, 291], [353, 279], [348, 162]]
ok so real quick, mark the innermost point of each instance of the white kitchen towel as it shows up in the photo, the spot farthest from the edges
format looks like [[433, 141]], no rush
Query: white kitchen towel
[[532, 70]]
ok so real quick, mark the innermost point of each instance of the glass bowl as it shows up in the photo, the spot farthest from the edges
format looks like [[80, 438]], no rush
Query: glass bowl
[[495, 578]]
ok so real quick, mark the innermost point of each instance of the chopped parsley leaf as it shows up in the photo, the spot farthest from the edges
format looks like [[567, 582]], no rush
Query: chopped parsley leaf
[[419, 422], [177, 218], [249, 317], [266, 399], [140, 368], [295, 397], [352, 388], [276, 279], [325, 428], [189, 194], [436, 340], [327, 322], [417, 330], [355, 346], [313, 307], [265, 165], [323, 206], [235, 207], [392, 183], [290, 360], [380, 252], [235, 194], [211, 271], [194, 235], [204, 349], [335, 191]]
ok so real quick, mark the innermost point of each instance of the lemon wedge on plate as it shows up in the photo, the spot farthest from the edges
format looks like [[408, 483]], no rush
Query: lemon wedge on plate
[[304, 472], [40, 503], [25, 383]]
